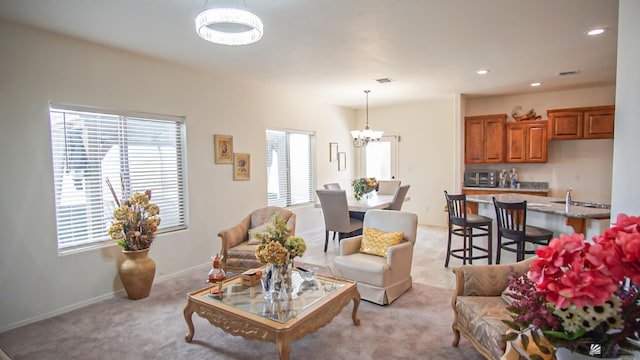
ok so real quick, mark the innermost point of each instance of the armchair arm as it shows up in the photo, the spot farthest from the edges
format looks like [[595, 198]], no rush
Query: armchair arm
[[234, 236], [350, 245], [486, 280], [399, 259]]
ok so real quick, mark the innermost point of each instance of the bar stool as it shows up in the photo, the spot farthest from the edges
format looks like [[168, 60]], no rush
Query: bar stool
[[512, 225], [463, 224]]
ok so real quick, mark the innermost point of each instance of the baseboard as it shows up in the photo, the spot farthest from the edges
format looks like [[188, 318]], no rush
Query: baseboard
[[92, 301]]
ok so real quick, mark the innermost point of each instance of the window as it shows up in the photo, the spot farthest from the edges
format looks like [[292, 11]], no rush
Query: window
[[290, 167], [134, 152]]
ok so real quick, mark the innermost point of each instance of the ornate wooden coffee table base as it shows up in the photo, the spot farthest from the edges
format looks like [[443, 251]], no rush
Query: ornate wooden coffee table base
[[238, 322]]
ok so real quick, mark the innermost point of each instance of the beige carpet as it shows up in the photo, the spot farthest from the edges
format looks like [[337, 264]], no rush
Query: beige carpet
[[416, 326]]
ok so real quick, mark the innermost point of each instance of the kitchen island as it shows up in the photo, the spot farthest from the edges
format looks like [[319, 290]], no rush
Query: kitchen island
[[551, 213]]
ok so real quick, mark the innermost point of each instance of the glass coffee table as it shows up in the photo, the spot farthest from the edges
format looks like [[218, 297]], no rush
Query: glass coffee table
[[243, 311]]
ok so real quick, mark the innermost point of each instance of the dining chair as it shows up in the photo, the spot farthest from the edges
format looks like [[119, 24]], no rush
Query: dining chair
[[398, 198], [335, 210], [388, 187], [332, 186], [512, 225], [463, 224]]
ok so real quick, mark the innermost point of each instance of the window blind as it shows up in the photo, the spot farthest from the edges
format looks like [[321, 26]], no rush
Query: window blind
[[133, 151], [290, 167]]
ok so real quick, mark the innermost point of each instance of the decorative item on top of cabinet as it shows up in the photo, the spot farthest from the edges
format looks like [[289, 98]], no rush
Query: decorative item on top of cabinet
[[527, 141], [484, 139], [594, 122]]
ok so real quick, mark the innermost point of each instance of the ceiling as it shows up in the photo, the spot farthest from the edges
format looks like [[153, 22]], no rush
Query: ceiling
[[333, 50]]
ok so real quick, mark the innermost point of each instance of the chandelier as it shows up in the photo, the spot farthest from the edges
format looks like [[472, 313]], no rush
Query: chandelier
[[363, 137], [228, 18]]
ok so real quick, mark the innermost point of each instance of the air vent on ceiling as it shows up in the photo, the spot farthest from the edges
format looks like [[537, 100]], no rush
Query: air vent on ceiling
[[384, 80], [568, 73]]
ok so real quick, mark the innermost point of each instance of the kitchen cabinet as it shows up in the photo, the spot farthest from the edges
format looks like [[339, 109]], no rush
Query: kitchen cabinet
[[484, 138], [527, 142], [595, 122]]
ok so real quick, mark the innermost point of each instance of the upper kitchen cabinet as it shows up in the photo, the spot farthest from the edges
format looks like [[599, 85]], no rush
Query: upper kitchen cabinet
[[595, 122], [527, 141], [484, 139]]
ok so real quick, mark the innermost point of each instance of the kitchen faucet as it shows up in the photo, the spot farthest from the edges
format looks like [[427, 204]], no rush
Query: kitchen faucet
[[568, 200]]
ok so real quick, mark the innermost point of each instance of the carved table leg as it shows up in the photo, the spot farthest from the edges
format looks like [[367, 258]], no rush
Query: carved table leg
[[284, 347], [356, 304], [188, 311]]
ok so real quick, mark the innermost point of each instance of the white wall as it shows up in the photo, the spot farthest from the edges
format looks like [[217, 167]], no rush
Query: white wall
[[626, 172], [585, 165], [427, 151], [36, 68]]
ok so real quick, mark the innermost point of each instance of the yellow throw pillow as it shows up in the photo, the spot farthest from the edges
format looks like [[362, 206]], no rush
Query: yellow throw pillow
[[376, 242]]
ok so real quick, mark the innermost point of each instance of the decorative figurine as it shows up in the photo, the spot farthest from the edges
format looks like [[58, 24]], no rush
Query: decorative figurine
[[514, 178], [217, 275]]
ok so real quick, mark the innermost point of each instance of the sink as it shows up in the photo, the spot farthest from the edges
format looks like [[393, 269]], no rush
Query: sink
[[586, 204]]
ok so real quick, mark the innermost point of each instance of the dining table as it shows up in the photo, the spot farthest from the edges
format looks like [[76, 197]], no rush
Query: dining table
[[368, 202]]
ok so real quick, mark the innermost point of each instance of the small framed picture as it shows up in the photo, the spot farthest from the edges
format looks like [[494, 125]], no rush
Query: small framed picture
[[241, 166], [342, 161], [333, 152], [223, 149]]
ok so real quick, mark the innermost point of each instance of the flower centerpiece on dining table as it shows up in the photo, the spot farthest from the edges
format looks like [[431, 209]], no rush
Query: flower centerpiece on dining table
[[580, 295], [363, 186], [276, 250]]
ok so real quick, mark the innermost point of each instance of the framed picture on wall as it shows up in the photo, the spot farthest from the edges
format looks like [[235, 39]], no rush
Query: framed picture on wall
[[342, 161], [223, 149], [333, 152], [241, 166]]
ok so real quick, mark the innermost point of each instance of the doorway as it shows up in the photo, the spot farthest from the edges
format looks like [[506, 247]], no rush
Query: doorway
[[381, 158]]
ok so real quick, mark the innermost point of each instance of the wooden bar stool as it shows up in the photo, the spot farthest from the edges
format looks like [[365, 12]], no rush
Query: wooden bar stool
[[512, 225], [463, 224]]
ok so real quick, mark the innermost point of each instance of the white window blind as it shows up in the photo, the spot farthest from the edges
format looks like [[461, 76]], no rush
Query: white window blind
[[290, 167], [134, 151]]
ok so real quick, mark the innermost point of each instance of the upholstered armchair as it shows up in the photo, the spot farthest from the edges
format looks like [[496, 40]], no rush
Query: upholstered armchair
[[238, 253], [479, 308], [381, 279]]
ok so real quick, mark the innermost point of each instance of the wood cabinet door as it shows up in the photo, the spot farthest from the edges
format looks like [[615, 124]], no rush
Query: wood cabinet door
[[516, 142], [474, 140], [566, 125], [598, 124], [494, 139], [536, 142]]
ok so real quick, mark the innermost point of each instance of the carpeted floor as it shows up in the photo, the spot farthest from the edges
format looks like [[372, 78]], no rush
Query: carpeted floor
[[416, 326]]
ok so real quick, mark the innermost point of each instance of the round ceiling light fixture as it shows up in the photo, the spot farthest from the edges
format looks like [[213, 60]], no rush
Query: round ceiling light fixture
[[597, 31], [229, 26]]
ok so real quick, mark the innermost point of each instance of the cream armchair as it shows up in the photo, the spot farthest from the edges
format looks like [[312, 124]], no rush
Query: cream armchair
[[238, 254], [380, 280]]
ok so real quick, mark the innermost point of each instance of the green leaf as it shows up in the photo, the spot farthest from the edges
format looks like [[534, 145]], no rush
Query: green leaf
[[544, 349], [510, 337], [535, 357], [512, 324], [524, 339]]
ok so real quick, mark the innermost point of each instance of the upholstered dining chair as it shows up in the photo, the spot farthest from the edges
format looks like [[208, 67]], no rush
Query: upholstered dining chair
[[512, 225], [332, 186], [238, 246], [398, 197], [463, 224], [380, 259], [388, 187], [335, 210]]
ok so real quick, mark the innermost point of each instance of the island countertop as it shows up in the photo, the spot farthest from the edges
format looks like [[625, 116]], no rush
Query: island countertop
[[576, 217], [548, 205]]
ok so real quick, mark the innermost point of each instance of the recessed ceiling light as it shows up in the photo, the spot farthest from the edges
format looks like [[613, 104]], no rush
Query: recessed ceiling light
[[482, 72], [534, 84], [597, 31]]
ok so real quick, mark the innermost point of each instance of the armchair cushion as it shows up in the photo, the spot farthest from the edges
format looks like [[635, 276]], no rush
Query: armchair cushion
[[377, 242], [253, 240]]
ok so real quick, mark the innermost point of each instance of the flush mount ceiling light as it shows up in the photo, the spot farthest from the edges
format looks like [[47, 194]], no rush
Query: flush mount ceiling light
[[482, 72], [363, 137], [229, 26], [534, 84]]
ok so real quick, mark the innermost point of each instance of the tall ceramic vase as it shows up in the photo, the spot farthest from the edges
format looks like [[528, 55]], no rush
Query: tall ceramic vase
[[137, 272]]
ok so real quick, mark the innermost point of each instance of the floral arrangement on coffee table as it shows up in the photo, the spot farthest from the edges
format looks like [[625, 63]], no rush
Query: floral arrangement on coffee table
[[276, 246], [579, 294]]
